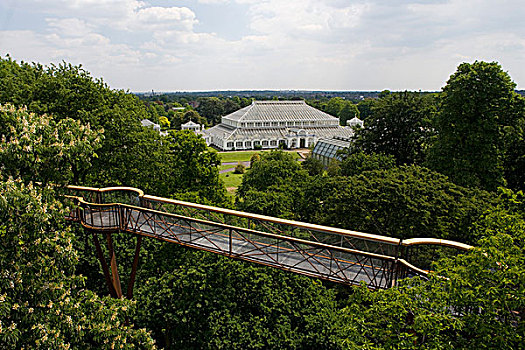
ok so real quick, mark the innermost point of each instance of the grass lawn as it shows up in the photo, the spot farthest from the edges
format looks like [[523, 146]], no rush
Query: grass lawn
[[242, 156], [226, 166], [231, 180]]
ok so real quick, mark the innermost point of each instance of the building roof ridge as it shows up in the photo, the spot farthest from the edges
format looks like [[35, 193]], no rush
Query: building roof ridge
[[247, 111]]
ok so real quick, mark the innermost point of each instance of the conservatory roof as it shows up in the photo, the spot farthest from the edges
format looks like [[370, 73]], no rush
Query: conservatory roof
[[278, 111], [227, 132]]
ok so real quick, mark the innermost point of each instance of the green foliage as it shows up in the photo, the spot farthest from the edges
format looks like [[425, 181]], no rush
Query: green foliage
[[239, 168], [255, 158], [193, 167], [403, 202], [213, 108], [164, 122], [313, 165], [212, 302], [514, 162], [180, 118], [273, 169], [365, 108], [278, 201], [43, 305], [271, 186], [334, 106], [473, 301], [348, 112], [129, 154], [333, 168], [340, 108], [476, 105], [399, 126], [38, 148], [357, 163]]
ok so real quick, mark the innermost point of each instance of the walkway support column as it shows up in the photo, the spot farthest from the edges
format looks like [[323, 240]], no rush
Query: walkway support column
[[129, 294], [115, 279]]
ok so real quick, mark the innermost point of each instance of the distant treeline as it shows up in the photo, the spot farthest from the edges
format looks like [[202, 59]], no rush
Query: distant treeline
[[266, 94], [259, 94]]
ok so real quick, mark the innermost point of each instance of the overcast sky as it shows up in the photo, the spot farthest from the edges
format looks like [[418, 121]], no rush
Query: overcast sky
[[172, 45]]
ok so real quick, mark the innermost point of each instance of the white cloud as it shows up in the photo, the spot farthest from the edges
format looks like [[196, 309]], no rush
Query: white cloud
[[158, 18], [312, 44], [69, 26]]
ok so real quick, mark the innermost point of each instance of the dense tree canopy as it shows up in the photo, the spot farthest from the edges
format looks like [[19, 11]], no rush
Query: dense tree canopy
[[38, 148], [43, 304], [404, 202], [473, 301], [273, 169], [477, 107], [219, 303], [399, 126], [357, 163], [128, 153], [76, 129]]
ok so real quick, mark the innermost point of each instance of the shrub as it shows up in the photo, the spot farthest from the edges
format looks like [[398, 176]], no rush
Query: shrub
[[239, 168]]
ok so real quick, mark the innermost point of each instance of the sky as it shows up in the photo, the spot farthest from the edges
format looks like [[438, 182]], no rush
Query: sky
[[189, 45]]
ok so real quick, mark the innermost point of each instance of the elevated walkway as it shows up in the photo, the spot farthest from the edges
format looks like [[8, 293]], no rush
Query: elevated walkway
[[329, 253]]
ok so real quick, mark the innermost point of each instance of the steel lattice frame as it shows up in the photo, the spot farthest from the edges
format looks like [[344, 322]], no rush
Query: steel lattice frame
[[332, 254]]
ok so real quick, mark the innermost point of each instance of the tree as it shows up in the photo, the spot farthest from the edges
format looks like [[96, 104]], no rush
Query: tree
[[231, 106], [357, 163], [273, 169], [473, 301], [272, 185], [514, 162], [334, 106], [129, 154], [239, 168], [476, 105], [212, 302], [180, 118], [43, 305], [399, 126], [402, 202], [193, 168], [211, 108], [365, 108], [313, 165], [164, 122], [348, 112], [38, 148]]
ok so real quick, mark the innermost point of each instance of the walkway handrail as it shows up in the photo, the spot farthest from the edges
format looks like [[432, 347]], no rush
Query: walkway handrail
[[397, 255], [435, 241], [226, 226], [299, 224]]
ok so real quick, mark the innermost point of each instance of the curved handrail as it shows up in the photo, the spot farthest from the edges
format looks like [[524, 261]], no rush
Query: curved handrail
[[319, 228], [107, 189], [412, 267], [436, 241], [226, 226], [299, 224]]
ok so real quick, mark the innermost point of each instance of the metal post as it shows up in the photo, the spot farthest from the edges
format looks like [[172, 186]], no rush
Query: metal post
[[114, 271], [230, 241], [105, 268], [122, 220], [129, 294]]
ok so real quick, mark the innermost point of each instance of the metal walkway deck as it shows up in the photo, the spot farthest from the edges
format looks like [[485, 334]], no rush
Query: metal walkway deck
[[329, 253]]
